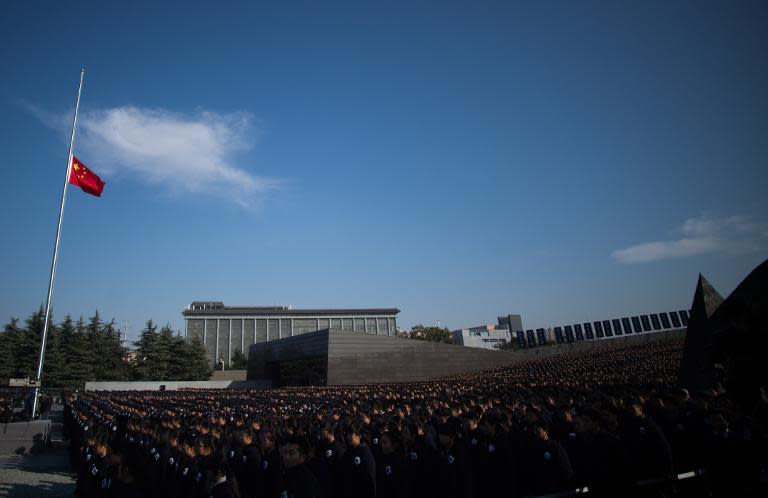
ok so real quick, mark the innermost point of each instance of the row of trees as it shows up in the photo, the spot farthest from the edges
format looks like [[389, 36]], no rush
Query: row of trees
[[80, 351], [433, 334]]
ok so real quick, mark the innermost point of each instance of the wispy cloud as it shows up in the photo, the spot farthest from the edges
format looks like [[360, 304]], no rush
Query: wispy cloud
[[189, 152], [702, 235]]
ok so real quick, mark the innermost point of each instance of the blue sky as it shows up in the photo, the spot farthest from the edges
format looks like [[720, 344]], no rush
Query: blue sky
[[562, 160]]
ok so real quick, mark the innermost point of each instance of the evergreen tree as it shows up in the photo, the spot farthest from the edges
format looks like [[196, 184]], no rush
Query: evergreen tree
[[239, 361], [53, 365], [199, 366], [28, 350], [146, 348], [96, 345], [113, 366], [9, 344], [179, 363], [78, 356]]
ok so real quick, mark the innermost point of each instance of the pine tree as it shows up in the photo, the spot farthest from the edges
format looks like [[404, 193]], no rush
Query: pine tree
[[53, 365], [9, 344], [146, 348], [239, 362], [29, 347], [96, 345], [179, 364], [112, 365], [199, 366], [78, 357]]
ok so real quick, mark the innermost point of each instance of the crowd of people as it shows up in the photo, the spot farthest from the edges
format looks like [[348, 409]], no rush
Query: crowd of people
[[609, 421], [16, 404]]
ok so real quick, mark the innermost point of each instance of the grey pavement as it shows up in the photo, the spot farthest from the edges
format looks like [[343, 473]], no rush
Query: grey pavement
[[46, 475]]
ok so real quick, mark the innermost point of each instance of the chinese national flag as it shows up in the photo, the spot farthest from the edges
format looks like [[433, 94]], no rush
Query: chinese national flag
[[85, 178]]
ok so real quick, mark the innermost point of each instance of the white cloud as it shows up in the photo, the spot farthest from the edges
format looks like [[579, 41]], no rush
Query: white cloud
[[188, 152], [703, 235]]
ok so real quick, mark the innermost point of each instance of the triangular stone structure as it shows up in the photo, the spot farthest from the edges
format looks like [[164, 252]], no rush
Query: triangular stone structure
[[740, 338], [697, 368]]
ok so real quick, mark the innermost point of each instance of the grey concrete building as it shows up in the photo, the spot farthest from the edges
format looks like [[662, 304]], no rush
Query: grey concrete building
[[336, 357], [225, 329]]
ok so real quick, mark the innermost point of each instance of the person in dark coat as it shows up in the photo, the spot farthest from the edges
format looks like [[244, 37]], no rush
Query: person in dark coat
[[268, 477], [357, 471], [392, 478], [247, 465], [545, 466], [600, 458], [325, 463], [216, 470], [125, 485], [99, 472], [450, 469], [647, 446], [298, 480]]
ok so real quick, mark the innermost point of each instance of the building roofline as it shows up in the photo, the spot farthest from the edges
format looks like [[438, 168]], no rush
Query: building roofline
[[285, 311]]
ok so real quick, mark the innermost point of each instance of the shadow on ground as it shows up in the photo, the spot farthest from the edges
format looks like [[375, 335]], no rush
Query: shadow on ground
[[41, 488], [45, 474]]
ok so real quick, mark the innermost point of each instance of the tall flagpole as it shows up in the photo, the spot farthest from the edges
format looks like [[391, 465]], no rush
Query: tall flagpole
[[56, 249]]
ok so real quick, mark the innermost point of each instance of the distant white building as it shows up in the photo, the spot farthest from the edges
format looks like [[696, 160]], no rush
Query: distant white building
[[484, 336]]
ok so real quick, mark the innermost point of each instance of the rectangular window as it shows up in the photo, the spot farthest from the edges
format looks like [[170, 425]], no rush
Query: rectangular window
[[579, 332], [210, 340], [273, 329], [359, 325], [392, 327], [370, 324], [304, 325], [237, 336], [383, 327], [616, 326], [684, 317], [664, 320], [636, 324], [285, 327], [655, 322], [599, 330], [627, 325], [195, 330], [559, 335], [568, 333], [646, 323], [675, 319], [531, 340], [261, 331], [324, 323], [520, 339], [224, 352], [588, 331], [607, 328], [336, 323], [249, 332], [346, 324]]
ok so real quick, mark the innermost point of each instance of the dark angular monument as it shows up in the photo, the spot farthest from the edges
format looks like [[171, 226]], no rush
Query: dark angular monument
[[697, 368], [336, 357], [740, 338]]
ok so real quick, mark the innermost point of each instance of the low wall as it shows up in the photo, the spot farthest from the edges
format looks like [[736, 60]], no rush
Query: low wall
[[174, 385], [229, 375], [23, 434]]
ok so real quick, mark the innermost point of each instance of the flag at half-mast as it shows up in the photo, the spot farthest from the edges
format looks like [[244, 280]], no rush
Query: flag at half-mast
[[84, 178]]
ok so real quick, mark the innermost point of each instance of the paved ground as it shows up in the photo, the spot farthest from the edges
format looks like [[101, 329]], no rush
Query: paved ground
[[47, 474]]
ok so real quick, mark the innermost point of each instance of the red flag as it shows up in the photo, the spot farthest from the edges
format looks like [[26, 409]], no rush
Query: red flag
[[85, 178]]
